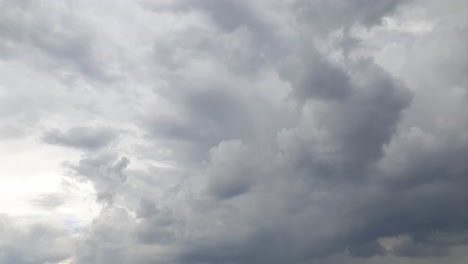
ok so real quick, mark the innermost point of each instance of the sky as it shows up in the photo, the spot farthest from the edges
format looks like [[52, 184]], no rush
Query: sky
[[233, 132]]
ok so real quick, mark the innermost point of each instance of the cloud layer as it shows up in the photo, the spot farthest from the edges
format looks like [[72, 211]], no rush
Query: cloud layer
[[239, 132]]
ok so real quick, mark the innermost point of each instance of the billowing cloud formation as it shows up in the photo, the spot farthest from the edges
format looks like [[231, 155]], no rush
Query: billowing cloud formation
[[246, 132]]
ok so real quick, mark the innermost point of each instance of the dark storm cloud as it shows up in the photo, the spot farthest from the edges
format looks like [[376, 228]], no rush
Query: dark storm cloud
[[324, 82], [214, 113], [326, 188], [356, 128]]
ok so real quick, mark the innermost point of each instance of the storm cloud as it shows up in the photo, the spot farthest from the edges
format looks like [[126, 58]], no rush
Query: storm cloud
[[236, 132]]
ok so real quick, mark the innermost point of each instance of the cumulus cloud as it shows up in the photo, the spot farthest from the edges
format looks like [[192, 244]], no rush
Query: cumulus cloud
[[245, 131]]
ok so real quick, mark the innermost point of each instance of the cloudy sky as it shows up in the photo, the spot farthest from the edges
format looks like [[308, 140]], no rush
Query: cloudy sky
[[233, 132]]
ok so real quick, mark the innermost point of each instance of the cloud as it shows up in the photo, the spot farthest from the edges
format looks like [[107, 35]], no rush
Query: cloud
[[81, 137], [226, 181], [33, 243], [258, 131], [63, 41], [49, 200], [104, 170]]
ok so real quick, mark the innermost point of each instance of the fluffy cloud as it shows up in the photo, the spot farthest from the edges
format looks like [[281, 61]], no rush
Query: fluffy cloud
[[244, 131]]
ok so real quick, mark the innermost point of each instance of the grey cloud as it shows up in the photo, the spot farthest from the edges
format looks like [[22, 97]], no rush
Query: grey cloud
[[36, 243], [366, 249], [60, 36], [212, 116], [49, 200], [329, 15], [230, 170], [239, 14], [153, 216], [277, 151], [212, 113], [436, 244], [108, 243], [88, 138], [322, 190], [216, 115], [311, 79], [410, 249], [104, 170], [351, 133]]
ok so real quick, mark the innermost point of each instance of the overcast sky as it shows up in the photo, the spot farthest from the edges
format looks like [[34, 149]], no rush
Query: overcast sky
[[233, 132]]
